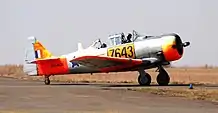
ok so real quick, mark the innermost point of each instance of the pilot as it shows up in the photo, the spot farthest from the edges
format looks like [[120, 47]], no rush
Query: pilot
[[129, 36], [123, 38]]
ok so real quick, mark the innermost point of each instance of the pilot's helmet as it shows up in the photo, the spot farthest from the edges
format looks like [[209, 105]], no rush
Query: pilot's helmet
[[129, 36]]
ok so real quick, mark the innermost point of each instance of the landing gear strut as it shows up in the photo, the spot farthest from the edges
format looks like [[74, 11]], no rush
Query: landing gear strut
[[163, 78], [144, 79], [47, 80]]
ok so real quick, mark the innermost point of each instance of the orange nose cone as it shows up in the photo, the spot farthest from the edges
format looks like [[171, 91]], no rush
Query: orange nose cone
[[170, 53]]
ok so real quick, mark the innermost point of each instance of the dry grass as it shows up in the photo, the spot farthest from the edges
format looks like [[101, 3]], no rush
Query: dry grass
[[12, 71], [39, 111], [178, 75], [196, 94]]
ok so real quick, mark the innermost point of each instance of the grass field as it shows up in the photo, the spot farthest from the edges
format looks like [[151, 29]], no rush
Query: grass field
[[199, 93], [179, 76]]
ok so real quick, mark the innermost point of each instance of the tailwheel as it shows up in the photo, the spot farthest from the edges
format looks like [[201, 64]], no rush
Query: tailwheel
[[144, 79], [47, 80], [163, 78]]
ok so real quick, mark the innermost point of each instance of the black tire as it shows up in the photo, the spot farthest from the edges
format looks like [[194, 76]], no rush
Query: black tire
[[47, 81], [163, 78], [144, 80]]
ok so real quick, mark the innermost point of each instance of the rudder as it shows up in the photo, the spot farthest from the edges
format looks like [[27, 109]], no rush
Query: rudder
[[35, 50], [40, 51]]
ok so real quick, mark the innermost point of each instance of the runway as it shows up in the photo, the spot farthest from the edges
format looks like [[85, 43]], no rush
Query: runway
[[33, 97]]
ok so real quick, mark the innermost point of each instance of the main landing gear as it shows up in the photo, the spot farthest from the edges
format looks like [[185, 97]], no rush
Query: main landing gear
[[163, 78], [144, 79], [47, 80]]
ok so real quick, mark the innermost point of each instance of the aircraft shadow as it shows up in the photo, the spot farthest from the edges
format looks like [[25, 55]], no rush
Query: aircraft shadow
[[126, 85], [136, 85], [76, 84], [156, 85]]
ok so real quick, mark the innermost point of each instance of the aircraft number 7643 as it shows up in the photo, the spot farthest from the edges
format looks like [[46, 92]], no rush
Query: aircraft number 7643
[[126, 51]]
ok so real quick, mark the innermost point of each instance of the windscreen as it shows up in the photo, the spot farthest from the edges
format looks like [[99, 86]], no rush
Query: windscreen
[[115, 39]]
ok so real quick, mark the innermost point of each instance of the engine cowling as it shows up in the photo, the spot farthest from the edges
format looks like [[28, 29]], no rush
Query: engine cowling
[[172, 47]]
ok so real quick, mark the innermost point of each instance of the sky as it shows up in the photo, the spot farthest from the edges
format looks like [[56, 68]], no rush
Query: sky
[[61, 24]]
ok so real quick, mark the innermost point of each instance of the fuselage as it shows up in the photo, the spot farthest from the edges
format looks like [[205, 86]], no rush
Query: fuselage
[[165, 47]]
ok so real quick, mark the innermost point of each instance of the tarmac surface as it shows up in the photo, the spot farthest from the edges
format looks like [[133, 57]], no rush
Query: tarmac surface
[[19, 96]]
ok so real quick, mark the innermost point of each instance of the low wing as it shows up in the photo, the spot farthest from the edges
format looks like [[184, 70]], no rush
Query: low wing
[[108, 64]]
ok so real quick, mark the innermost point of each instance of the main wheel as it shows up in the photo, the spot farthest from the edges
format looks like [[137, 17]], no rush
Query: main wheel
[[163, 78], [144, 79], [47, 81]]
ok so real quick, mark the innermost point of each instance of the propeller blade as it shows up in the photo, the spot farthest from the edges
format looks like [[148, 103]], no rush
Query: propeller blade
[[185, 44]]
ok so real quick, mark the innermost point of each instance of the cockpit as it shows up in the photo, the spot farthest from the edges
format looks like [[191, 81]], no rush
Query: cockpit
[[117, 39], [120, 38], [98, 44]]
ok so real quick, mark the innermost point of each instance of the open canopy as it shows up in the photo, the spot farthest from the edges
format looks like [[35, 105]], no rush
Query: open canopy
[[116, 39]]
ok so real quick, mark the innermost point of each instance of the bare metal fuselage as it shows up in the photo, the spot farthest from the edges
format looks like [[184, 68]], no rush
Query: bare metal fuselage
[[144, 48]]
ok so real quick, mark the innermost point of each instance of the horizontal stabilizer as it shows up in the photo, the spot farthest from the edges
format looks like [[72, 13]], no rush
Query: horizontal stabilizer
[[39, 60]]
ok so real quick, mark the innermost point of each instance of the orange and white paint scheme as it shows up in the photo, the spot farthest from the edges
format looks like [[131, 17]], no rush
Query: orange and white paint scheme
[[139, 54]]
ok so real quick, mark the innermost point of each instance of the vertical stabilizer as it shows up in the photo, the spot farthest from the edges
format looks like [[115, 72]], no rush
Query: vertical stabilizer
[[40, 51], [34, 50]]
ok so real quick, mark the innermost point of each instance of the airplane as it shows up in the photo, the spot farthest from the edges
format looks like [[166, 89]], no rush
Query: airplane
[[135, 53]]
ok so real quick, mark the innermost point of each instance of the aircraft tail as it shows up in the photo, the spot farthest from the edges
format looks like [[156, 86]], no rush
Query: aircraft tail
[[35, 50], [40, 51]]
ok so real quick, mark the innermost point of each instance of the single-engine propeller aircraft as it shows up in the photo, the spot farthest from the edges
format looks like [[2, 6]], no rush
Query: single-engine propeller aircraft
[[132, 53]]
